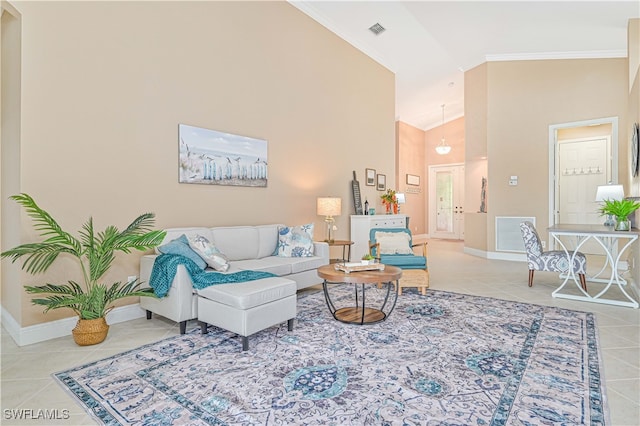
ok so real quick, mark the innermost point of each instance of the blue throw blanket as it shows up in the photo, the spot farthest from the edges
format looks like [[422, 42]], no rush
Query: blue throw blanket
[[166, 265]]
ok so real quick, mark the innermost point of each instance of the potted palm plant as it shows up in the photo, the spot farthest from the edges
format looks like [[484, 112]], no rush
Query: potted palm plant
[[621, 209], [94, 251]]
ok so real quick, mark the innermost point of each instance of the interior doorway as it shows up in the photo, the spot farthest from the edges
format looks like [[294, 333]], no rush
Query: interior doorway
[[582, 156], [446, 198]]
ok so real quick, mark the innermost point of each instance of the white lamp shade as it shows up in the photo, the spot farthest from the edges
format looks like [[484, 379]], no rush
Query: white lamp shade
[[329, 206], [609, 192], [400, 198]]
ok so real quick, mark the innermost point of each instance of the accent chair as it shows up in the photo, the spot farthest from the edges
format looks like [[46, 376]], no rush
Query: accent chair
[[394, 246], [552, 260]]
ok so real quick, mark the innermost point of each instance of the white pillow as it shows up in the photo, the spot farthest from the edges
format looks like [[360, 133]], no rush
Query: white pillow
[[209, 253], [295, 241], [394, 242]]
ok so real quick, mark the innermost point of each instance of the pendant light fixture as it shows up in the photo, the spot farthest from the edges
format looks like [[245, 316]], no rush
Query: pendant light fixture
[[442, 147]]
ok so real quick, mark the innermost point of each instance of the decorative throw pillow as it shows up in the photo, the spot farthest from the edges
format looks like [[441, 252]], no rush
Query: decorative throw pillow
[[394, 242], [181, 247], [209, 253], [295, 241]]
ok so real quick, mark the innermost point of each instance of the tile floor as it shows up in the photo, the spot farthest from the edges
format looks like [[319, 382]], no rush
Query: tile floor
[[26, 381]]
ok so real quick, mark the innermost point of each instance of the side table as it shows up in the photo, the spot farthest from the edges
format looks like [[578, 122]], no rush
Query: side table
[[346, 250]]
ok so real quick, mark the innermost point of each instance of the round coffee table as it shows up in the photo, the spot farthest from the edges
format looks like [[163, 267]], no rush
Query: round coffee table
[[361, 313]]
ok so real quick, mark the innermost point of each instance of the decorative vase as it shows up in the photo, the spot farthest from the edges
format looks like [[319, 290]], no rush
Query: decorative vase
[[623, 225], [395, 208], [387, 206], [90, 332]]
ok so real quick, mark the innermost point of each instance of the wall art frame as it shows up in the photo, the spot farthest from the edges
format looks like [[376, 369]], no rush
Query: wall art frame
[[413, 180], [381, 182], [217, 158], [370, 177]]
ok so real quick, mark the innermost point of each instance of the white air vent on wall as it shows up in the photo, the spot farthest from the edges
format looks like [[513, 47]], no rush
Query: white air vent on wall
[[508, 236]]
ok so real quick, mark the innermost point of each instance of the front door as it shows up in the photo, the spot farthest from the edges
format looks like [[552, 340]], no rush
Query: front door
[[446, 201]]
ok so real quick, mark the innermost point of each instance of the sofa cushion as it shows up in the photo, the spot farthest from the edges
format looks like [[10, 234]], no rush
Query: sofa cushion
[[237, 242], [208, 252], [295, 241], [297, 264], [251, 293], [180, 246], [173, 233], [266, 264]]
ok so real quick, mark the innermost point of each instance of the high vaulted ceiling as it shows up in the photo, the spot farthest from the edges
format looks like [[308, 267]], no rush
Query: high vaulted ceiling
[[429, 45]]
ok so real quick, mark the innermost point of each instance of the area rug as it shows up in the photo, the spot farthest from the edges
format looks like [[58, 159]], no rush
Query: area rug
[[439, 359]]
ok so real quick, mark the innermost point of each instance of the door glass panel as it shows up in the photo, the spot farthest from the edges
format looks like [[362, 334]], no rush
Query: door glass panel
[[444, 201]]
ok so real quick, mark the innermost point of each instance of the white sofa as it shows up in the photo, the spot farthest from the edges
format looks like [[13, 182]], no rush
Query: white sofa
[[247, 248]]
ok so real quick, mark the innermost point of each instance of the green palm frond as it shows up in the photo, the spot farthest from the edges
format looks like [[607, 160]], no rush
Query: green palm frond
[[45, 224], [95, 253]]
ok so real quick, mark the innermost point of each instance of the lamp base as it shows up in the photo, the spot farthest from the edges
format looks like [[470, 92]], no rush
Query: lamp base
[[329, 220]]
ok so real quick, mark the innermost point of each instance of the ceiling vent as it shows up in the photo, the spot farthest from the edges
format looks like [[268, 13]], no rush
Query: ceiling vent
[[376, 28]]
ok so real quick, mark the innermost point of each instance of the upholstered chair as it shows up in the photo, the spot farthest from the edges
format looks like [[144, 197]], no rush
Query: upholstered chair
[[552, 260], [394, 246]]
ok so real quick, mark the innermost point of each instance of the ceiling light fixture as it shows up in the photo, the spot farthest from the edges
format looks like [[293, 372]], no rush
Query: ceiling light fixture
[[442, 147]]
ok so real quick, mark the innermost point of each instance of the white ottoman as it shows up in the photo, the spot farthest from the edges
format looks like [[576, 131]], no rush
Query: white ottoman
[[248, 307]]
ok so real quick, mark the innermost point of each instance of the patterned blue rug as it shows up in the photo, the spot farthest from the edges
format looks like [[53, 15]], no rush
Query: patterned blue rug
[[440, 359]]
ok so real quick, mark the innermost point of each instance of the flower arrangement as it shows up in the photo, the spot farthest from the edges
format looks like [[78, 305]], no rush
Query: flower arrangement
[[389, 197]]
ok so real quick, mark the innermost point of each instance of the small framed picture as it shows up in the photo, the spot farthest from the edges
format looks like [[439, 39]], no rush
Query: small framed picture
[[382, 182], [371, 177], [413, 180]]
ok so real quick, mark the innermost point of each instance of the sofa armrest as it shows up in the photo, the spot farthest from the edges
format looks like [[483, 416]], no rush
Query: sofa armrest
[[179, 304], [321, 249], [146, 266]]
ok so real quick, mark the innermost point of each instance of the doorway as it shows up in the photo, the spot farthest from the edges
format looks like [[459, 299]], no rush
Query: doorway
[[582, 156], [446, 198]]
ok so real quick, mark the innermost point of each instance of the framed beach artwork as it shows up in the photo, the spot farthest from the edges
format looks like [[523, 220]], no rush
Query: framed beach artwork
[[381, 182], [371, 177], [217, 158]]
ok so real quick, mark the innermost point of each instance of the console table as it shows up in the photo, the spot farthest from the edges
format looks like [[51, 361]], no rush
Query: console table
[[609, 240]]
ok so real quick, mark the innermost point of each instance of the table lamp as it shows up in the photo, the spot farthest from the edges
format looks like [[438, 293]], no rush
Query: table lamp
[[609, 192], [329, 207]]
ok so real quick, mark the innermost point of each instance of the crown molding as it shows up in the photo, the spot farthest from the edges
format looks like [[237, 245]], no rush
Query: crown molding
[[594, 54]]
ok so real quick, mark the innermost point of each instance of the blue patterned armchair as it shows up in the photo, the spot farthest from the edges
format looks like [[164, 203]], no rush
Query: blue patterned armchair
[[553, 260]]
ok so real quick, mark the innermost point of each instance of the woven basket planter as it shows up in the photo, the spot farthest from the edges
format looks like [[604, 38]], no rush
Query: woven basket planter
[[90, 332]]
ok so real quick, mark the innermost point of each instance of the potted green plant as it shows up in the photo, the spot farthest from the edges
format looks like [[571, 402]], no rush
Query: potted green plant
[[95, 254], [621, 209], [367, 258]]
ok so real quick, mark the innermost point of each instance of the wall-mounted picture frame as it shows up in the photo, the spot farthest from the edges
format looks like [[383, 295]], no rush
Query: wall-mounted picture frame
[[370, 175], [381, 181], [413, 180], [217, 158]]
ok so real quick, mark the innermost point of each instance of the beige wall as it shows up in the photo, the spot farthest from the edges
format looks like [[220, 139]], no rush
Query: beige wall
[[105, 85], [522, 99], [411, 160], [475, 106]]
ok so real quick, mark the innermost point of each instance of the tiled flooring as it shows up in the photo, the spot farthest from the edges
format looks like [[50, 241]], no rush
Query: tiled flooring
[[26, 371]]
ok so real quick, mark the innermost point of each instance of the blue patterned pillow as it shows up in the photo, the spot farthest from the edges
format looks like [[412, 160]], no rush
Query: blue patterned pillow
[[295, 241], [181, 247]]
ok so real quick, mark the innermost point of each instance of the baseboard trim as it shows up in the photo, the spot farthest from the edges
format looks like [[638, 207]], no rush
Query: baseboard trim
[[62, 327]]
